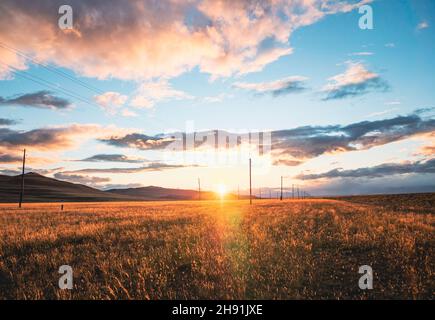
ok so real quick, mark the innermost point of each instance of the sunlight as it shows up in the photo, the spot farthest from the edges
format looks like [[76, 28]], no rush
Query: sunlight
[[221, 190]]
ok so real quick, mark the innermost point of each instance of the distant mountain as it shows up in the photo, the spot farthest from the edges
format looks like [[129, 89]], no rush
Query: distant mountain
[[38, 188], [158, 193]]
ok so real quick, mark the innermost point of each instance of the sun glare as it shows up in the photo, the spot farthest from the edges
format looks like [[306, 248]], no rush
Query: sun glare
[[221, 190]]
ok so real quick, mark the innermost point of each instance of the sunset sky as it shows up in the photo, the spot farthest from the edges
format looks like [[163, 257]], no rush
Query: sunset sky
[[348, 110]]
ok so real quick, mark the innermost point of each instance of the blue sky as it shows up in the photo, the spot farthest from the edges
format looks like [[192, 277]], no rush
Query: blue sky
[[392, 66]]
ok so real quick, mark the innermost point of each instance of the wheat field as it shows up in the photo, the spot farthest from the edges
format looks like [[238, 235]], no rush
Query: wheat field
[[291, 249]]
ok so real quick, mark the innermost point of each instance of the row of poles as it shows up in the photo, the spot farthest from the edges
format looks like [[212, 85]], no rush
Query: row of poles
[[301, 194], [296, 193]]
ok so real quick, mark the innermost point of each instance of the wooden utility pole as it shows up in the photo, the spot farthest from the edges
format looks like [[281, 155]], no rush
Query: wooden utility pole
[[280, 198], [250, 182], [22, 180], [298, 192], [199, 189], [293, 191]]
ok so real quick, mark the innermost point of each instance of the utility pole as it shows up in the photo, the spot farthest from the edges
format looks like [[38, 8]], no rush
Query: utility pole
[[298, 192], [293, 191], [22, 180], [280, 198], [199, 189], [250, 182]]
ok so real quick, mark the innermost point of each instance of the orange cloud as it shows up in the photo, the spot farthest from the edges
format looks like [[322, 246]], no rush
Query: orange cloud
[[151, 39]]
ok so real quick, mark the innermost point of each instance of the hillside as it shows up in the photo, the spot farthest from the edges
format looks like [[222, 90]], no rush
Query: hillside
[[40, 189], [159, 193]]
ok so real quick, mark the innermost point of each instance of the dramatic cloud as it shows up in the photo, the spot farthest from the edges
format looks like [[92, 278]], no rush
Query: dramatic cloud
[[140, 39], [140, 141], [7, 122], [46, 139], [7, 158], [355, 81], [87, 180], [387, 169], [112, 158], [151, 167], [40, 99], [275, 88], [292, 146]]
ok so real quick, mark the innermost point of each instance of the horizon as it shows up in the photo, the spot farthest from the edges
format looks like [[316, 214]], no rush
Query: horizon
[[333, 108]]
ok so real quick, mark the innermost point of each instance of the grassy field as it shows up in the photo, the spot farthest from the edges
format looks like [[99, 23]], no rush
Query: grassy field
[[300, 249]]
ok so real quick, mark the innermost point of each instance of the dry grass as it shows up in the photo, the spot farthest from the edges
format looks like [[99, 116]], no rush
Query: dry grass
[[229, 250]]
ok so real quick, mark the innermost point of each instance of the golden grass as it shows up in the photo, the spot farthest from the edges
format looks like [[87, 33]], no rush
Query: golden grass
[[211, 249]]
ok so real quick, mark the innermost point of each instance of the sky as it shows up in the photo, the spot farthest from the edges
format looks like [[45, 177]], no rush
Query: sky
[[162, 93]]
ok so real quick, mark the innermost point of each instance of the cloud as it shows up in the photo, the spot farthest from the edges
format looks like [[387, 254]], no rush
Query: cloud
[[7, 158], [355, 81], [7, 122], [140, 141], [276, 88], [386, 169], [423, 25], [390, 45], [46, 139], [287, 162], [122, 186], [149, 93], [14, 172], [112, 158], [128, 113], [381, 113], [292, 145], [41, 99], [157, 166], [217, 98], [111, 101], [363, 53], [151, 39], [312, 141], [81, 179]]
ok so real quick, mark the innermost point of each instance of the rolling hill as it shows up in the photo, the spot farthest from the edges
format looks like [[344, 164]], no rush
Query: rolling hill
[[39, 188]]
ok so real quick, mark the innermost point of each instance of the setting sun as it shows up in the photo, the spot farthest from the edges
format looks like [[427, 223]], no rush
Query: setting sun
[[221, 190]]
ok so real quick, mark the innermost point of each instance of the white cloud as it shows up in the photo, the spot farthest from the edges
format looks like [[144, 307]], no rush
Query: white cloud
[[356, 80], [278, 87], [111, 101], [363, 53], [423, 25], [149, 93]]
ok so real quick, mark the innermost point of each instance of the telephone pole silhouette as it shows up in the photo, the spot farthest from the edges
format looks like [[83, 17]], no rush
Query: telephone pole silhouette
[[199, 189], [22, 180], [250, 182], [280, 198]]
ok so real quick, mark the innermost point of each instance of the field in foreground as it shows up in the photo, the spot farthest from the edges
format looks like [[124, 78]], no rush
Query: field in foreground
[[300, 249]]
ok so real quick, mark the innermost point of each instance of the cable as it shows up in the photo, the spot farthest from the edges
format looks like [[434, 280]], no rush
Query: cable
[[47, 67], [48, 84]]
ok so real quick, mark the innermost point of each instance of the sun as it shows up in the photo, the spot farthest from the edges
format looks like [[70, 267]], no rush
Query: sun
[[221, 190]]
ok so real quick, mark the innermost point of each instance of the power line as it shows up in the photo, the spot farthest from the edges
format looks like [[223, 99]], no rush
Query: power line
[[48, 84], [47, 67]]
